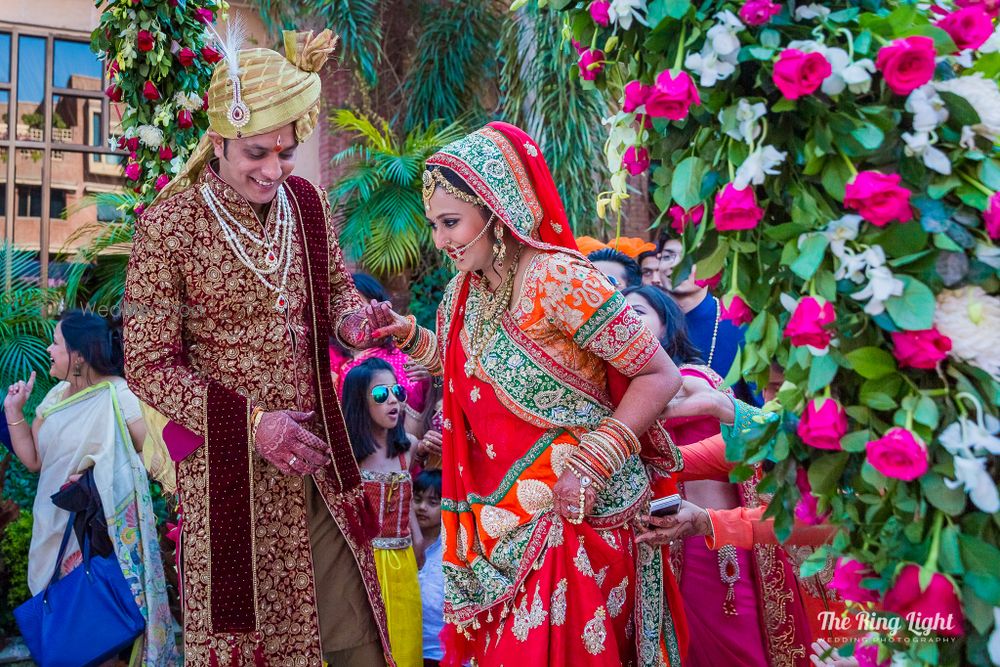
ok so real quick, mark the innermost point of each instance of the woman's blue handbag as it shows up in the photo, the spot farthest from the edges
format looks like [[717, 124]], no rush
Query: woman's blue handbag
[[84, 618]]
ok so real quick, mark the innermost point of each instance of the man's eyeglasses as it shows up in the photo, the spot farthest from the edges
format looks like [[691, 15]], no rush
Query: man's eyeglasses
[[668, 256], [380, 393]]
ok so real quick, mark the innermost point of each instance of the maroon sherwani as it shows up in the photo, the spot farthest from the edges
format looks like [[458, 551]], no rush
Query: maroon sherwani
[[277, 569]]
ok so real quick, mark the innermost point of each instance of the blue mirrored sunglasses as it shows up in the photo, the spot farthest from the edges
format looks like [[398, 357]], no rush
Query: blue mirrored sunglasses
[[381, 393]]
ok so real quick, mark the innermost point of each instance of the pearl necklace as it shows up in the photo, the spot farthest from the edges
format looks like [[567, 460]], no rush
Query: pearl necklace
[[239, 238], [715, 331]]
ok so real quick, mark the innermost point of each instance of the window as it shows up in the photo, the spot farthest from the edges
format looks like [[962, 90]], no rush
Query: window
[[54, 129]]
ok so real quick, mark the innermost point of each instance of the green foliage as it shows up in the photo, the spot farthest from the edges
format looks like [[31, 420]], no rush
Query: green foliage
[[25, 328], [427, 289], [379, 195], [539, 94], [14, 544]]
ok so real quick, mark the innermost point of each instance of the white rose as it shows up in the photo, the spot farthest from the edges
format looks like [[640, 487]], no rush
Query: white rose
[[623, 12], [984, 96], [810, 12], [722, 35]]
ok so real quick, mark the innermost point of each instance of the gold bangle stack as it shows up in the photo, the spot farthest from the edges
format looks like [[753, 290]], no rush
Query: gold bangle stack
[[421, 346], [403, 341], [604, 451]]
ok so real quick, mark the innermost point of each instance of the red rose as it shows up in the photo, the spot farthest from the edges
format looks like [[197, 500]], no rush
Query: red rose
[[907, 63], [797, 74], [711, 282], [991, 217], [122, 143], [133, 144], [166, 153], [680, 218], [878, 198], [847, 577], [210, 55], [204, 101], [161, 182], [636, 160], [186, 57], [184, 119], [114, 93], [133, 171], [938, 601], [672, 96], [823, 424], [969, 27], [736, 209], [898, 454], [920, 349], [205, 15], [599, 12], [733, 308], [808, 323], [150, 92], [759, 12], [145, 40]]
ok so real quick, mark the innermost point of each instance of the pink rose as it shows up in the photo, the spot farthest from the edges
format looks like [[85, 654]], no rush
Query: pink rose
[[133, 171], [735, 309], [205, 15], [150, 92], [680, 218], [758, 12], [898, 454], [210, 55], [808, 323], [991, 217], [711, 282], [847, 577], [797, 73], [166, 153], [807, 509], [937, 601], [969, 27], [878, 198], [636, 94], [672, 96], [867, 655], [186, 57], [599, 12], [636, 160], [139, 208], [114, 93], [823, 424], [992, 7], [736, 209], [907, 63], [184, 119], [590, 64], [161, 182], [920, 349], [145, 41]]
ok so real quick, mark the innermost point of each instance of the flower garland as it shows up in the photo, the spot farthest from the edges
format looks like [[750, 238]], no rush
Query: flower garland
[[159, 61], [835, 164]]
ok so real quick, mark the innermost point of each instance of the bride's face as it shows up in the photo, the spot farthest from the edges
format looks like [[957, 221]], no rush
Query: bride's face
[[457, 228]]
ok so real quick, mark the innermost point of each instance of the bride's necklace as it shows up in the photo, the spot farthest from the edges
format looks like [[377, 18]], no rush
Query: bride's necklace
[[489, 314], [275, 246]]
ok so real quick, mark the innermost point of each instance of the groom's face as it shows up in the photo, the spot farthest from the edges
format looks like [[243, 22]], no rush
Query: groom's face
[[256, 166]]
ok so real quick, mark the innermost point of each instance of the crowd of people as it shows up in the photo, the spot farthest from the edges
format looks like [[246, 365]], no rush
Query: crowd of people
[[357, 489]]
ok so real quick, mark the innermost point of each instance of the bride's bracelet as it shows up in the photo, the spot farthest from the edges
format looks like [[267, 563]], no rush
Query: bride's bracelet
[[402, 342]]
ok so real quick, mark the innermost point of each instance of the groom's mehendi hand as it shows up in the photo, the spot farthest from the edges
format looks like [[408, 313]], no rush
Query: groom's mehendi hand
[[281, 440]]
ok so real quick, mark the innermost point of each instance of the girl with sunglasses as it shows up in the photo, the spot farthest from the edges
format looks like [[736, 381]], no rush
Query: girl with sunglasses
[[374, 404]]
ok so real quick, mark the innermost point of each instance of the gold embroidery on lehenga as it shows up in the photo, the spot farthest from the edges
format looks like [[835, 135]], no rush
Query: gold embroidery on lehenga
[[534, 495], [609, 537], [556, 534], [561, 454], [617, 597], [594, 633], [496, 521], [474, 394], [524, 620], [490, 452], [558, 603], [582, 562]]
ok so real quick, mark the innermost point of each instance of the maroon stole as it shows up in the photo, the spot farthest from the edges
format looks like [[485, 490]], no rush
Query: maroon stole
[[231, 453]]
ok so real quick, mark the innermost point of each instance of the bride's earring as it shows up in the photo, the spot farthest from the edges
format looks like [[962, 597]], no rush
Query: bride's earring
[[499, 249]]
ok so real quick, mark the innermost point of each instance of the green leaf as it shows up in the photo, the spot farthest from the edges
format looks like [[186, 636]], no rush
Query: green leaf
[[871, 362], [784, 104], [914, 309], [835, 177], [686, 185], [678, 8], [715, 261], [856, 441], [815, 563], [989, 174], [869, 136], [656, 11], [960, 112], [825, 471], [927, 412], [949, 501], [950, 559], [811, 255], [822, 370], [978, 556]]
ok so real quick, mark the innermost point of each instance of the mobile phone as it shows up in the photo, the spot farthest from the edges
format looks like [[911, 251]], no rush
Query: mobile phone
[[665, 506]]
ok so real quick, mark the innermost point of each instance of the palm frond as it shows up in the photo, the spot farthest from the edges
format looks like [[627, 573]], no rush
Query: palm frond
[[359, 25]]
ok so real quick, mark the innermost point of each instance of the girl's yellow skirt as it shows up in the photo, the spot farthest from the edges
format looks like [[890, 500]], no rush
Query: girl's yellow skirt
[[397, 576]]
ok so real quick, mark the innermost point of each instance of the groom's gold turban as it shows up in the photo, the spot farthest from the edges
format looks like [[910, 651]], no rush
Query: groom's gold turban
[[269, 92]]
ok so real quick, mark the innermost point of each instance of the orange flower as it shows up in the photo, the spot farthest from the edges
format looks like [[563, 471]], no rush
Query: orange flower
[[631, 246], [588, 244]]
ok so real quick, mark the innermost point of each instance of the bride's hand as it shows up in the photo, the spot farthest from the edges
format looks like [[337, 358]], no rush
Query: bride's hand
[[566, 497], [697, 398], [384, 321]]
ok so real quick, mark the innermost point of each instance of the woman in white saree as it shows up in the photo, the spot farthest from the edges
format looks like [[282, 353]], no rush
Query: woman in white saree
[[91, 419]]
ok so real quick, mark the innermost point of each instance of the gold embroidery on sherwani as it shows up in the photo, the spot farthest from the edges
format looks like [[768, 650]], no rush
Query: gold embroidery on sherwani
[[524, 620], [594, 633]]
